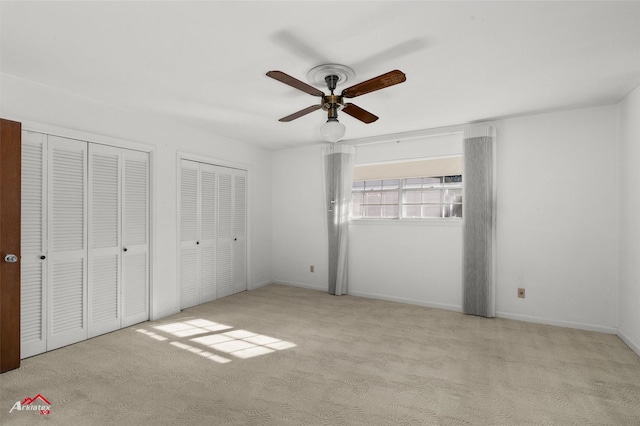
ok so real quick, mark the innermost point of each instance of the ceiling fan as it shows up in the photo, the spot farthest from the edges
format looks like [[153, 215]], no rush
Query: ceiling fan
[[331, 75]]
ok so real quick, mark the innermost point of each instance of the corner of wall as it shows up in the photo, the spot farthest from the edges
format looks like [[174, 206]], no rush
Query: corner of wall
[[628, 319]]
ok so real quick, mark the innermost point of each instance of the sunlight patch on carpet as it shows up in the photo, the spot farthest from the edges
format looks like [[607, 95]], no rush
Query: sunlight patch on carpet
[[239, 343]]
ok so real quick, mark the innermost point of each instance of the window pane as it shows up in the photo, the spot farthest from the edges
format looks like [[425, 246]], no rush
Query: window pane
[[456, 211], [453, 179], [432, 210], [391, 184], [411, 211], [429, 182], [372, 185], [355, 209], [449, 198], [372, 197], [390, 211], [358, 185], [453, 210], [412, 197], [357, 197], [413, 183], [456, 193], [431, 196], [390, 197], [373, 211]]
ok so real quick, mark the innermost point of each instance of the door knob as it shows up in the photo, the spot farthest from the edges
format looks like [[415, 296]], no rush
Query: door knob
[[11, 258], [124, 249]]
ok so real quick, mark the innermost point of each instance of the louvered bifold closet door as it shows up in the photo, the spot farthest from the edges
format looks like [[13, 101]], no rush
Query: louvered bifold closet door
[[103, 290], [207, 195], [33, 260], [67, 233], [225, 232], [189, 212], [135, 237], [239, 230]]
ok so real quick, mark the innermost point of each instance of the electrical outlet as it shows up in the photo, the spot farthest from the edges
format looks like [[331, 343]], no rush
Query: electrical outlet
[[521, 293], [312, 268]]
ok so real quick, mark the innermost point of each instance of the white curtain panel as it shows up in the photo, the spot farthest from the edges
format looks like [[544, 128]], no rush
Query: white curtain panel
[[479, 201], [337, 161]]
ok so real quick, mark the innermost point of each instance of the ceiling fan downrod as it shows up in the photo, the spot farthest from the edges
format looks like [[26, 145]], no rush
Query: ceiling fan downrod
[[332, 82]]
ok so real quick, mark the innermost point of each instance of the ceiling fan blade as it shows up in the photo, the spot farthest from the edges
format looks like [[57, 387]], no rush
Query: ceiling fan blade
[[294, 82], [356, 112], [380, 82], [300, 113]]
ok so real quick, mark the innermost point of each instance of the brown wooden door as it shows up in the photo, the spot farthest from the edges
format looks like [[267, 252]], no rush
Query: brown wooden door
[[10, 178]]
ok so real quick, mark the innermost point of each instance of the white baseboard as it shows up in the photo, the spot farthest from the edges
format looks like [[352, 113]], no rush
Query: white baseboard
[[303, 285], [262, 284], [634, 346], [558, 323], [405, 300], [457, 308], [166, 313]]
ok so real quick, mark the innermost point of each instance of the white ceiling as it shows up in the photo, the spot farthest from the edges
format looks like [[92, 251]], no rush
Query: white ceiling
[[203, 64]]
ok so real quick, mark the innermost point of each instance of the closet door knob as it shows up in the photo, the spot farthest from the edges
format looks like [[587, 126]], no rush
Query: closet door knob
[[124, 249], [43, 257], [197, 242]]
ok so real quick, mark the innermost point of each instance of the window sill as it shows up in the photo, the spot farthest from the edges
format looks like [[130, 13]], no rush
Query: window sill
[[456, 222]]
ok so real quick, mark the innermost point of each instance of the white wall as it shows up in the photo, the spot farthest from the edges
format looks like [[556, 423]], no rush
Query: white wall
[[41, 107], [557, 221], [629, 297], [417, 262], [557, 211], [557, 218], [410, 262], [299, 222], [407, 262]]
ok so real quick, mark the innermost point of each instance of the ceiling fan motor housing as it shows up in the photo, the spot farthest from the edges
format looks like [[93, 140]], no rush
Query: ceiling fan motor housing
[[332, 103]]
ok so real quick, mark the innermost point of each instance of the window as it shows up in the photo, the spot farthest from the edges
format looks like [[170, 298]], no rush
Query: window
[[408, 198], [375, 199]]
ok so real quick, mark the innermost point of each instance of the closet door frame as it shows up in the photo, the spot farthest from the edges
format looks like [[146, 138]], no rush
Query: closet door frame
[[181, 155]]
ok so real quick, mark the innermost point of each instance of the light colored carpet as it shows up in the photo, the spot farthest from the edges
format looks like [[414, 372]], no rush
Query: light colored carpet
[[294, 356]]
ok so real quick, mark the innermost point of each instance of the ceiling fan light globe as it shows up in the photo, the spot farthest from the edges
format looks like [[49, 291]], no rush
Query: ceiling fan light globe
[[332, 130]]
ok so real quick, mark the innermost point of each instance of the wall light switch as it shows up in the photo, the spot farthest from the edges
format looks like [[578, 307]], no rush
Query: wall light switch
[[521, 293]]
